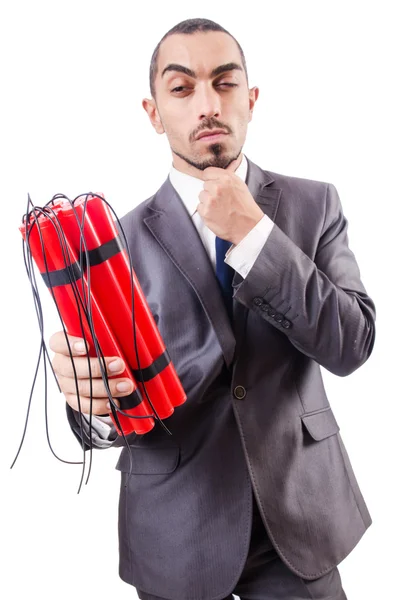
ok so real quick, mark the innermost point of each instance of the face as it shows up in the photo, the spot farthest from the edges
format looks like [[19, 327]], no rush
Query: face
[[203, 103]]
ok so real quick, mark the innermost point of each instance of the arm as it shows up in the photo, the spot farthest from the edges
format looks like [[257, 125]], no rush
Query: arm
[[321, 305]]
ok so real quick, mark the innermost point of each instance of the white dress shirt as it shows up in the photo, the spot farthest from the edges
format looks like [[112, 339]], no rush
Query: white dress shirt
[[240, 257]]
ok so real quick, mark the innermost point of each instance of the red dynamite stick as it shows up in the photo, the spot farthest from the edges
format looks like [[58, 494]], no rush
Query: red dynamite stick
[[68, 306], [100, 231]]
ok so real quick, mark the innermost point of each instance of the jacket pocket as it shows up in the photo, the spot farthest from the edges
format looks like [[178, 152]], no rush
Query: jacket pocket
[[320, 424], [149, 461]]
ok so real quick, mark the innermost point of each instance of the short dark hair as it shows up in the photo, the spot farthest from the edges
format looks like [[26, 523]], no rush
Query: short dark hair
[[188, 27]]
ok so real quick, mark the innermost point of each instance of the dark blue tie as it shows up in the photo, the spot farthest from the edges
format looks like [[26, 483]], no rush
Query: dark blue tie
[[224, 274]]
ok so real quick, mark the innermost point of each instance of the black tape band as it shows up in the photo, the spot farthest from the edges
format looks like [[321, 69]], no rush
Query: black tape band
[[130, 401], [104, 252], [95, 257], [154, 369], [147, 373], [62, 276]]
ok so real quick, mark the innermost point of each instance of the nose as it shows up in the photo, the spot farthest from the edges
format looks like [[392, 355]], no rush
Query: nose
[[208, 102]]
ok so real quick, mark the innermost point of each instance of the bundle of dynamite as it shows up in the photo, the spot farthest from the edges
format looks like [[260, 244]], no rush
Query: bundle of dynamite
[[85, 262]]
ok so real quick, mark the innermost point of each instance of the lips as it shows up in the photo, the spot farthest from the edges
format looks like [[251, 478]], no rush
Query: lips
[[210, 133]]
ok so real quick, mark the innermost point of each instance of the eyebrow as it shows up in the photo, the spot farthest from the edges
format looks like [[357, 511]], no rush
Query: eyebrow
[[217, 71]]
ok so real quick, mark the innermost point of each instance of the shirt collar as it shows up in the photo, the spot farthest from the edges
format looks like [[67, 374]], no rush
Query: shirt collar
[[189, 187]]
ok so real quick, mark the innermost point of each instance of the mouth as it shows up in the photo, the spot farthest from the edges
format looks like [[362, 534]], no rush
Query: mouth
[[209, 136]]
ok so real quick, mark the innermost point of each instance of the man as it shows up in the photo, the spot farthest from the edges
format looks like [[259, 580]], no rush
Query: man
[[253, 494]]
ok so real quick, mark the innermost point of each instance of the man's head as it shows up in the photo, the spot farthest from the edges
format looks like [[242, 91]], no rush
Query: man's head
[[199, 83]]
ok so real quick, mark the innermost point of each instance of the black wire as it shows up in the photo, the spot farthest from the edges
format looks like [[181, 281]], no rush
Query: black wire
[[48, 273], [43, 351], [86, 306], [39, 315]]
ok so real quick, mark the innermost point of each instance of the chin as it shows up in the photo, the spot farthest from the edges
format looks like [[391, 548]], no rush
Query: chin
[[216, 155]]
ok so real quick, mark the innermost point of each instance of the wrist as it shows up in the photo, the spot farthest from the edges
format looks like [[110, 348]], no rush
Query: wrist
[[248, 226]]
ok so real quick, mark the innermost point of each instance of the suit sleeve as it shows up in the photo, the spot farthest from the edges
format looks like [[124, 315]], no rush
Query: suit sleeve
[[98, 440], [321, 304]]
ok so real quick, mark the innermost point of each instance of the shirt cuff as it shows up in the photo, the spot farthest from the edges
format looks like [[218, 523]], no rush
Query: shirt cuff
[[103, 431], [242, 257]]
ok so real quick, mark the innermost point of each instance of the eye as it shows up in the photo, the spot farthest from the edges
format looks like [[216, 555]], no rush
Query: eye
[[179, 88], [182, 88]]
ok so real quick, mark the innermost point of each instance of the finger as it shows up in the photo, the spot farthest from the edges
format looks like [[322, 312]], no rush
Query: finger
[[95, 387], [99, 405], [59, 344], [63, 366], [210, 185], [204, 196]]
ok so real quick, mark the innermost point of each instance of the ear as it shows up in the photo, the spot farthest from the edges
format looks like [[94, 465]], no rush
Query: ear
[[252, 98], [150, 106]]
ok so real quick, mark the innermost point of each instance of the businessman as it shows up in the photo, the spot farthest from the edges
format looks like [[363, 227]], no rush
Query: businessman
[[253, 286]]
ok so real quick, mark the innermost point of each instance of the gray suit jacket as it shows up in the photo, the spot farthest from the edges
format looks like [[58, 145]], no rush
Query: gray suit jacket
[[257, 414]]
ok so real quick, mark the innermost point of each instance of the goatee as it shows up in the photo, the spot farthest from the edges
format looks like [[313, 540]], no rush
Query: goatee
[[218, 158]]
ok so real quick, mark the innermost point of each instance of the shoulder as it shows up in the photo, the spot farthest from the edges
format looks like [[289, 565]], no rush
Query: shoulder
[[302, 197], [299, 189], [131, 226], [306, 196], [299, 185], [146, 208], [138, 213]]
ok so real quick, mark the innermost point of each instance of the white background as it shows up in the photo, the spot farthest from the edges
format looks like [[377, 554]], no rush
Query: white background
[[73, 75]]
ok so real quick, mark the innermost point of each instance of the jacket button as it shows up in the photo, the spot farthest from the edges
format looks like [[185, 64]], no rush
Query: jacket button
[[286, 324], [265, 307], [279, 317], [258, 301], [240, 392], [272, 312]]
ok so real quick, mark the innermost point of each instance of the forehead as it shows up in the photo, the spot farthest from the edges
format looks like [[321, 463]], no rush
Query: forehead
[[200, 51]]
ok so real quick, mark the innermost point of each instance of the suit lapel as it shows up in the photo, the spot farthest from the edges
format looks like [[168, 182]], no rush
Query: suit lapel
[[173, 229]]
